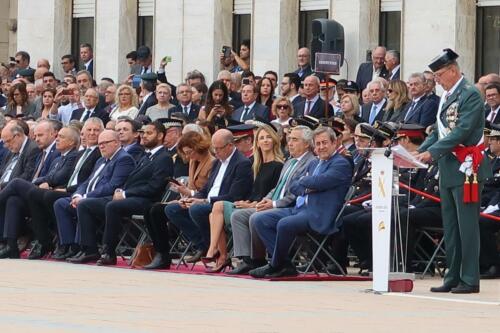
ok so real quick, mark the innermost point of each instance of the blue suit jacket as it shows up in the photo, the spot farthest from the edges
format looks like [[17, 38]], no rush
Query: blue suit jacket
[[317, 110], [424, 113], [136, 151], [60, 170], [113, 175], [258, 110], [193, 113], [237, 182], [53, 154], [326, 192]]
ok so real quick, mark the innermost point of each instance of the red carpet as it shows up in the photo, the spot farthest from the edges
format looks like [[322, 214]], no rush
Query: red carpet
[[200, 270]]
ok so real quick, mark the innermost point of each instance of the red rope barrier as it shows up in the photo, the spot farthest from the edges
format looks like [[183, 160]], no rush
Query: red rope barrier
[[360, 199], [436, 199]]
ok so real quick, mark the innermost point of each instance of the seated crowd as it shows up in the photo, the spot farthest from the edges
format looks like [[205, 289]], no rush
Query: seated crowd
[[239, 168]]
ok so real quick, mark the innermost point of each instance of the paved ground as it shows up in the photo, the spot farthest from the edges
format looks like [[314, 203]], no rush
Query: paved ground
[[59, 297]]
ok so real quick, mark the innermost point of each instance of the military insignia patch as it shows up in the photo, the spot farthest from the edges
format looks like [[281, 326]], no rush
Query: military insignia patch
[[452, 116]]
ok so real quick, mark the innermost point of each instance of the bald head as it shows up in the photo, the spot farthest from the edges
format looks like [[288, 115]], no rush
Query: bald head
[[222, 143], [108, 143], [303, 56]]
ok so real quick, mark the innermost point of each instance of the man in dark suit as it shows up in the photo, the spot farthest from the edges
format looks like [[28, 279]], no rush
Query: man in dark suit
[[188, 109], [45, 133], [230, 180], [91, 108], [304, 63], [422, 110], [313, 105], [148, 87], [376, 108], [172, 136], [492, 94], [369, 71], [290, 85], [128, 134], [250, 109], [247, 245], [23, 153], [392, 65], [327, 180], [87, 57], [109, 173], [14, 197], [41, 200], [143, 187]]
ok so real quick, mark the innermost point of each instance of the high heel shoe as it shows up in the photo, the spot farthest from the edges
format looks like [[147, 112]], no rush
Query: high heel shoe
[[208, 260], [221, 268]]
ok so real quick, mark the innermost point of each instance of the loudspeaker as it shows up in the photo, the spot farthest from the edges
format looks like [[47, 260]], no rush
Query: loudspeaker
[[327, 37]]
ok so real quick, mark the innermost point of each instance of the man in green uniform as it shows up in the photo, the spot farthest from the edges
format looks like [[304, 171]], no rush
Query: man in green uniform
[[457, 144]]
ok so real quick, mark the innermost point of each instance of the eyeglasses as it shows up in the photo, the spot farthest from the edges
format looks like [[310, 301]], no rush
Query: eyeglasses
[[439, 74], [282, 107], [220, 148], [105, 142], [9, 140]]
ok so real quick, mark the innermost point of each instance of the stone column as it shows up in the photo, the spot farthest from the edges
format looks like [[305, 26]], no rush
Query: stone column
[[360, 19], [429, 26], [274, 44], [192, 32], [44, 30], [115, 36]]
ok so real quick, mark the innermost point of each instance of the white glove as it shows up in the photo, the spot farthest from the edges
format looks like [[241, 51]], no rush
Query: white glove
[[490, 209]]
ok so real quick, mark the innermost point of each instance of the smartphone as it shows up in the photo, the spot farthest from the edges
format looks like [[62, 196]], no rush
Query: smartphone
[[227, 51], [167, 59], [66, 92], [136, 81], [245, 81], [173, 180]]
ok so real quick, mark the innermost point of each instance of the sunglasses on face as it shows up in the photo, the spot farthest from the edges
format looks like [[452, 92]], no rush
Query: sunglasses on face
[[282, 107]]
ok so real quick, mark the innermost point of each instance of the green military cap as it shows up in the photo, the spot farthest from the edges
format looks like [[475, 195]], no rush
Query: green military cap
[[149, 77]]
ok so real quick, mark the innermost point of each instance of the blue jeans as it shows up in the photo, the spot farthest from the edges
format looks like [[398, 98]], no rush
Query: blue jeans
[[193, 222]]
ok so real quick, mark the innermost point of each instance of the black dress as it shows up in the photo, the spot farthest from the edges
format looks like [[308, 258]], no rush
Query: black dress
[[266, 180]]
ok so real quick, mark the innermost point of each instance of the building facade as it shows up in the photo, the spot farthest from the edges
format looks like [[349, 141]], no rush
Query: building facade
[[192, 32]]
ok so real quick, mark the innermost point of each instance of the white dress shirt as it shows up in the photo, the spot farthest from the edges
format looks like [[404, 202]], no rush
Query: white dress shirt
[[214, 190]]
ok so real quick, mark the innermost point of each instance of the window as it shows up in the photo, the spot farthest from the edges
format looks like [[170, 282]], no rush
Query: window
[[390, 30], [145, 23], [241, 29], [305, 24], [242, 22], [145, 31], [488, 40], [82, 26]]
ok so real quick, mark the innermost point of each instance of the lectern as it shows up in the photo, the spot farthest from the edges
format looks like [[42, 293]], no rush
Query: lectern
[[383, 161]]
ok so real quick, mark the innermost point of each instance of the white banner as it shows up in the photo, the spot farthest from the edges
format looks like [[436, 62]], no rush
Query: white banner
[[381, 218]]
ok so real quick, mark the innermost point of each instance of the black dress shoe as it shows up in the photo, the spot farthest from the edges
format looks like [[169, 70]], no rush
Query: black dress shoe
[[196, 256], [71, 253], [284, 271], [492, 273], [242, 269], [84, 257], [39, 251], [78, 254], [106, 260], [160, 261], [441, 289], [8, 252], [60, 252], [264, 271], [463, 288]]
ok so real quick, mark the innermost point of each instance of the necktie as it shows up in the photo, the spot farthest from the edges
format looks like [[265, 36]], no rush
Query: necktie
[[95, 177], [492, 116], [40, 165], [8, 170], [410, 110], [244, 114], [85, 115], [186, 111], [302, 199], [308, 107], [282, 182], [73, 179], [373, 114]]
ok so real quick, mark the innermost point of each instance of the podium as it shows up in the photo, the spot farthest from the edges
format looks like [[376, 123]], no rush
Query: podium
[[382, 195]]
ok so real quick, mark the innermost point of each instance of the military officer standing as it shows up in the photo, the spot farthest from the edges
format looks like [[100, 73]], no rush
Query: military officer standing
[[457, 145]]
